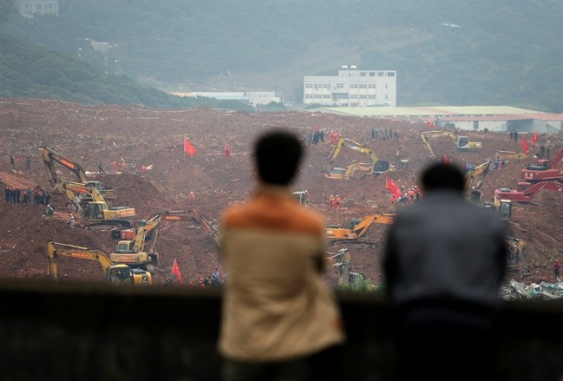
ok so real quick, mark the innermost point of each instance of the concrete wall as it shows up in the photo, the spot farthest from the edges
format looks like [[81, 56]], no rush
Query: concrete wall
[[80, 331]]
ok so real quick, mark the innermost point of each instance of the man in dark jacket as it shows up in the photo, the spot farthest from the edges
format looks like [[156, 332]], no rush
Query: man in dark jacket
[[444, 263]]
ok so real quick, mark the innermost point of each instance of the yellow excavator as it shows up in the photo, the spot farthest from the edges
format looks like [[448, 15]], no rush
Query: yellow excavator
[[342, 262], [97, 211], [502, 207], [517, 261], [132, 251], [510, 155], [357, 230], [462, 142], [118, 274], [474, 181], [375, 167], [50, 157], [135, 251]]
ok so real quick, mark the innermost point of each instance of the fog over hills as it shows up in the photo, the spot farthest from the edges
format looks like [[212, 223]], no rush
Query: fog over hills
[[456, 52]]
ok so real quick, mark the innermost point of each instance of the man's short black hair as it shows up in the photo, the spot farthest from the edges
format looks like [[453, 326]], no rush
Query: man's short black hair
[[442, 176], [277, 154]]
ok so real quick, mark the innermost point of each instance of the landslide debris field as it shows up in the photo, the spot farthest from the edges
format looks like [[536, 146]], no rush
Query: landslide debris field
[[155, 139]]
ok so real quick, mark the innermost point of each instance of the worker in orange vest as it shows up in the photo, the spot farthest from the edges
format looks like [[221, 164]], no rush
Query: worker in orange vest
[[337, 202], [410, 194]]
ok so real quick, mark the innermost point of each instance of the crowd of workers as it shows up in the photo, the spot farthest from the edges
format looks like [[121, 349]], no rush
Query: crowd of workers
[[14, 195]]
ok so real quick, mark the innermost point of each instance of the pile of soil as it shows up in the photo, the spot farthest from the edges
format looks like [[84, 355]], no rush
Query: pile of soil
[[154, 139]]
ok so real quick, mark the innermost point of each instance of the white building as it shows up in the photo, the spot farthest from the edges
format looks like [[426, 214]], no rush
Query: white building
[[263, 97], [352, 88], [30, 8]]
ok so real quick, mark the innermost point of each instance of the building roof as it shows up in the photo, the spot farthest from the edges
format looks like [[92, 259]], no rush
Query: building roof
[[543, 117], [468, 111]]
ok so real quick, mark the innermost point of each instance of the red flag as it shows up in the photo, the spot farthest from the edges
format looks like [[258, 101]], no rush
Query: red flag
[[525, 147], [393, 188], [227, 150], [176, 271], [188, 148], [534, 138]]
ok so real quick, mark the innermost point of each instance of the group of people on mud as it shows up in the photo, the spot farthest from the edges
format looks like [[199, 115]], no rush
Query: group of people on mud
[[210, 281], [334, 202], [15, 195], [409, 196]]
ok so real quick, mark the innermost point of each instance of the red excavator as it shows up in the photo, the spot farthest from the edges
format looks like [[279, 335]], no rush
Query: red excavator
[[544, 170], [526, 191]]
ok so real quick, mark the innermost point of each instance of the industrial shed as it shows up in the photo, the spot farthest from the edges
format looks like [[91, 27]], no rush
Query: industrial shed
[[476, 118]]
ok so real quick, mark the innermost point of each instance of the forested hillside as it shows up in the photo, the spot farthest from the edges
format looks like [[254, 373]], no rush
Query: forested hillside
[[446, 52]]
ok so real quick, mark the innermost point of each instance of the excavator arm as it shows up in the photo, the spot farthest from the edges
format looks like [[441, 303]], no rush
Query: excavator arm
[[84, 189], [427, 145], [356, 233], [334, 153], [478, 173], [376, 167], [462, 142], [50, 157], [118, 274], [361, 228], [194, 216], [55, 249]]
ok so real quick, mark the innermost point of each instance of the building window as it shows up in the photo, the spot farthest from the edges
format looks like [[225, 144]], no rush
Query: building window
[[353, 96], [386, 86], [354, 86], [308, 86], [372, 73], [380, 74], [363, 86], [339, 85], [363, 96], [362, 74], [317, 96], [326, 96], [308, 96], [326, 86], [391, 74], [371, 96]]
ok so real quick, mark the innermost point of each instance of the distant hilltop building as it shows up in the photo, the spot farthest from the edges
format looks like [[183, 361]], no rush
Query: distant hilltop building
[[30, 8], [352, 88]]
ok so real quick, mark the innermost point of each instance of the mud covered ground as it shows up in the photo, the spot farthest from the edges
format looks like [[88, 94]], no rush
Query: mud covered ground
[[154, 138]]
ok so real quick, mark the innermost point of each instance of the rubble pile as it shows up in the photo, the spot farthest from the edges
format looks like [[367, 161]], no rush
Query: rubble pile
[[158, 175]]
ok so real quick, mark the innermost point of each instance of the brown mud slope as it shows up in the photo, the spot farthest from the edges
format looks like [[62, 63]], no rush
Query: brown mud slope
[[154, 139]]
